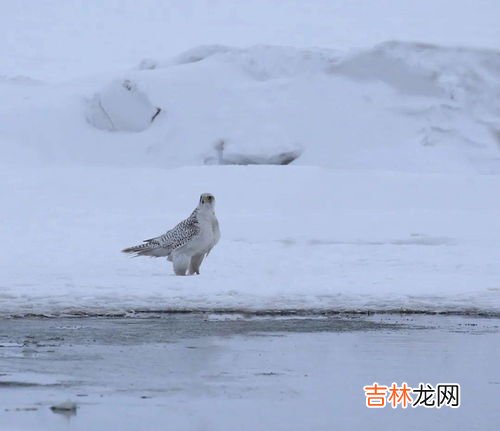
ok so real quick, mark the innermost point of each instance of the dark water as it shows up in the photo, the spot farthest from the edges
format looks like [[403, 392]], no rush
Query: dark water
[[230, 371]]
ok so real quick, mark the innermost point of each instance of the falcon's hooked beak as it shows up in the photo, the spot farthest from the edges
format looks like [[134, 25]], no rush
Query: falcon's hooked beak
[[207, 198]]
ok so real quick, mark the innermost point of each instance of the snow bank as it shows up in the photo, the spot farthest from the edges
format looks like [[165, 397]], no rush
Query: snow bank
[[263, 63], [397, 106], [470, 77]]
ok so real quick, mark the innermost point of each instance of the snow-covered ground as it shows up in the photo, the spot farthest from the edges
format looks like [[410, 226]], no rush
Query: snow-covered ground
[[293, 237], [379, 162]]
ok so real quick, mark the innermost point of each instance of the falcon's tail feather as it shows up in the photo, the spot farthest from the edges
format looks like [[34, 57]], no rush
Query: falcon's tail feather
[[147, 249]]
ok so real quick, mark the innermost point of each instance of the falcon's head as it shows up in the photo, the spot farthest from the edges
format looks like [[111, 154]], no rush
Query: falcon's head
[[207, 200]]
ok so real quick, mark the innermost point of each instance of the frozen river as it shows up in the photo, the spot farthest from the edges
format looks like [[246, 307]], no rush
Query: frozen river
[[230, 371]]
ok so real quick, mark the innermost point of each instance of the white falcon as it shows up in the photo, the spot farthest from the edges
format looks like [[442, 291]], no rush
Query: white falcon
[[187, 244]]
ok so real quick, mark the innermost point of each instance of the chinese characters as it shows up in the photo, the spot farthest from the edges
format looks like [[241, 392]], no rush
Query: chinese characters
[[425, 395]]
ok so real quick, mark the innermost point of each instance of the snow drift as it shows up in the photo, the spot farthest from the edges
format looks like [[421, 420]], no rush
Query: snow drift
[[397, 106]]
